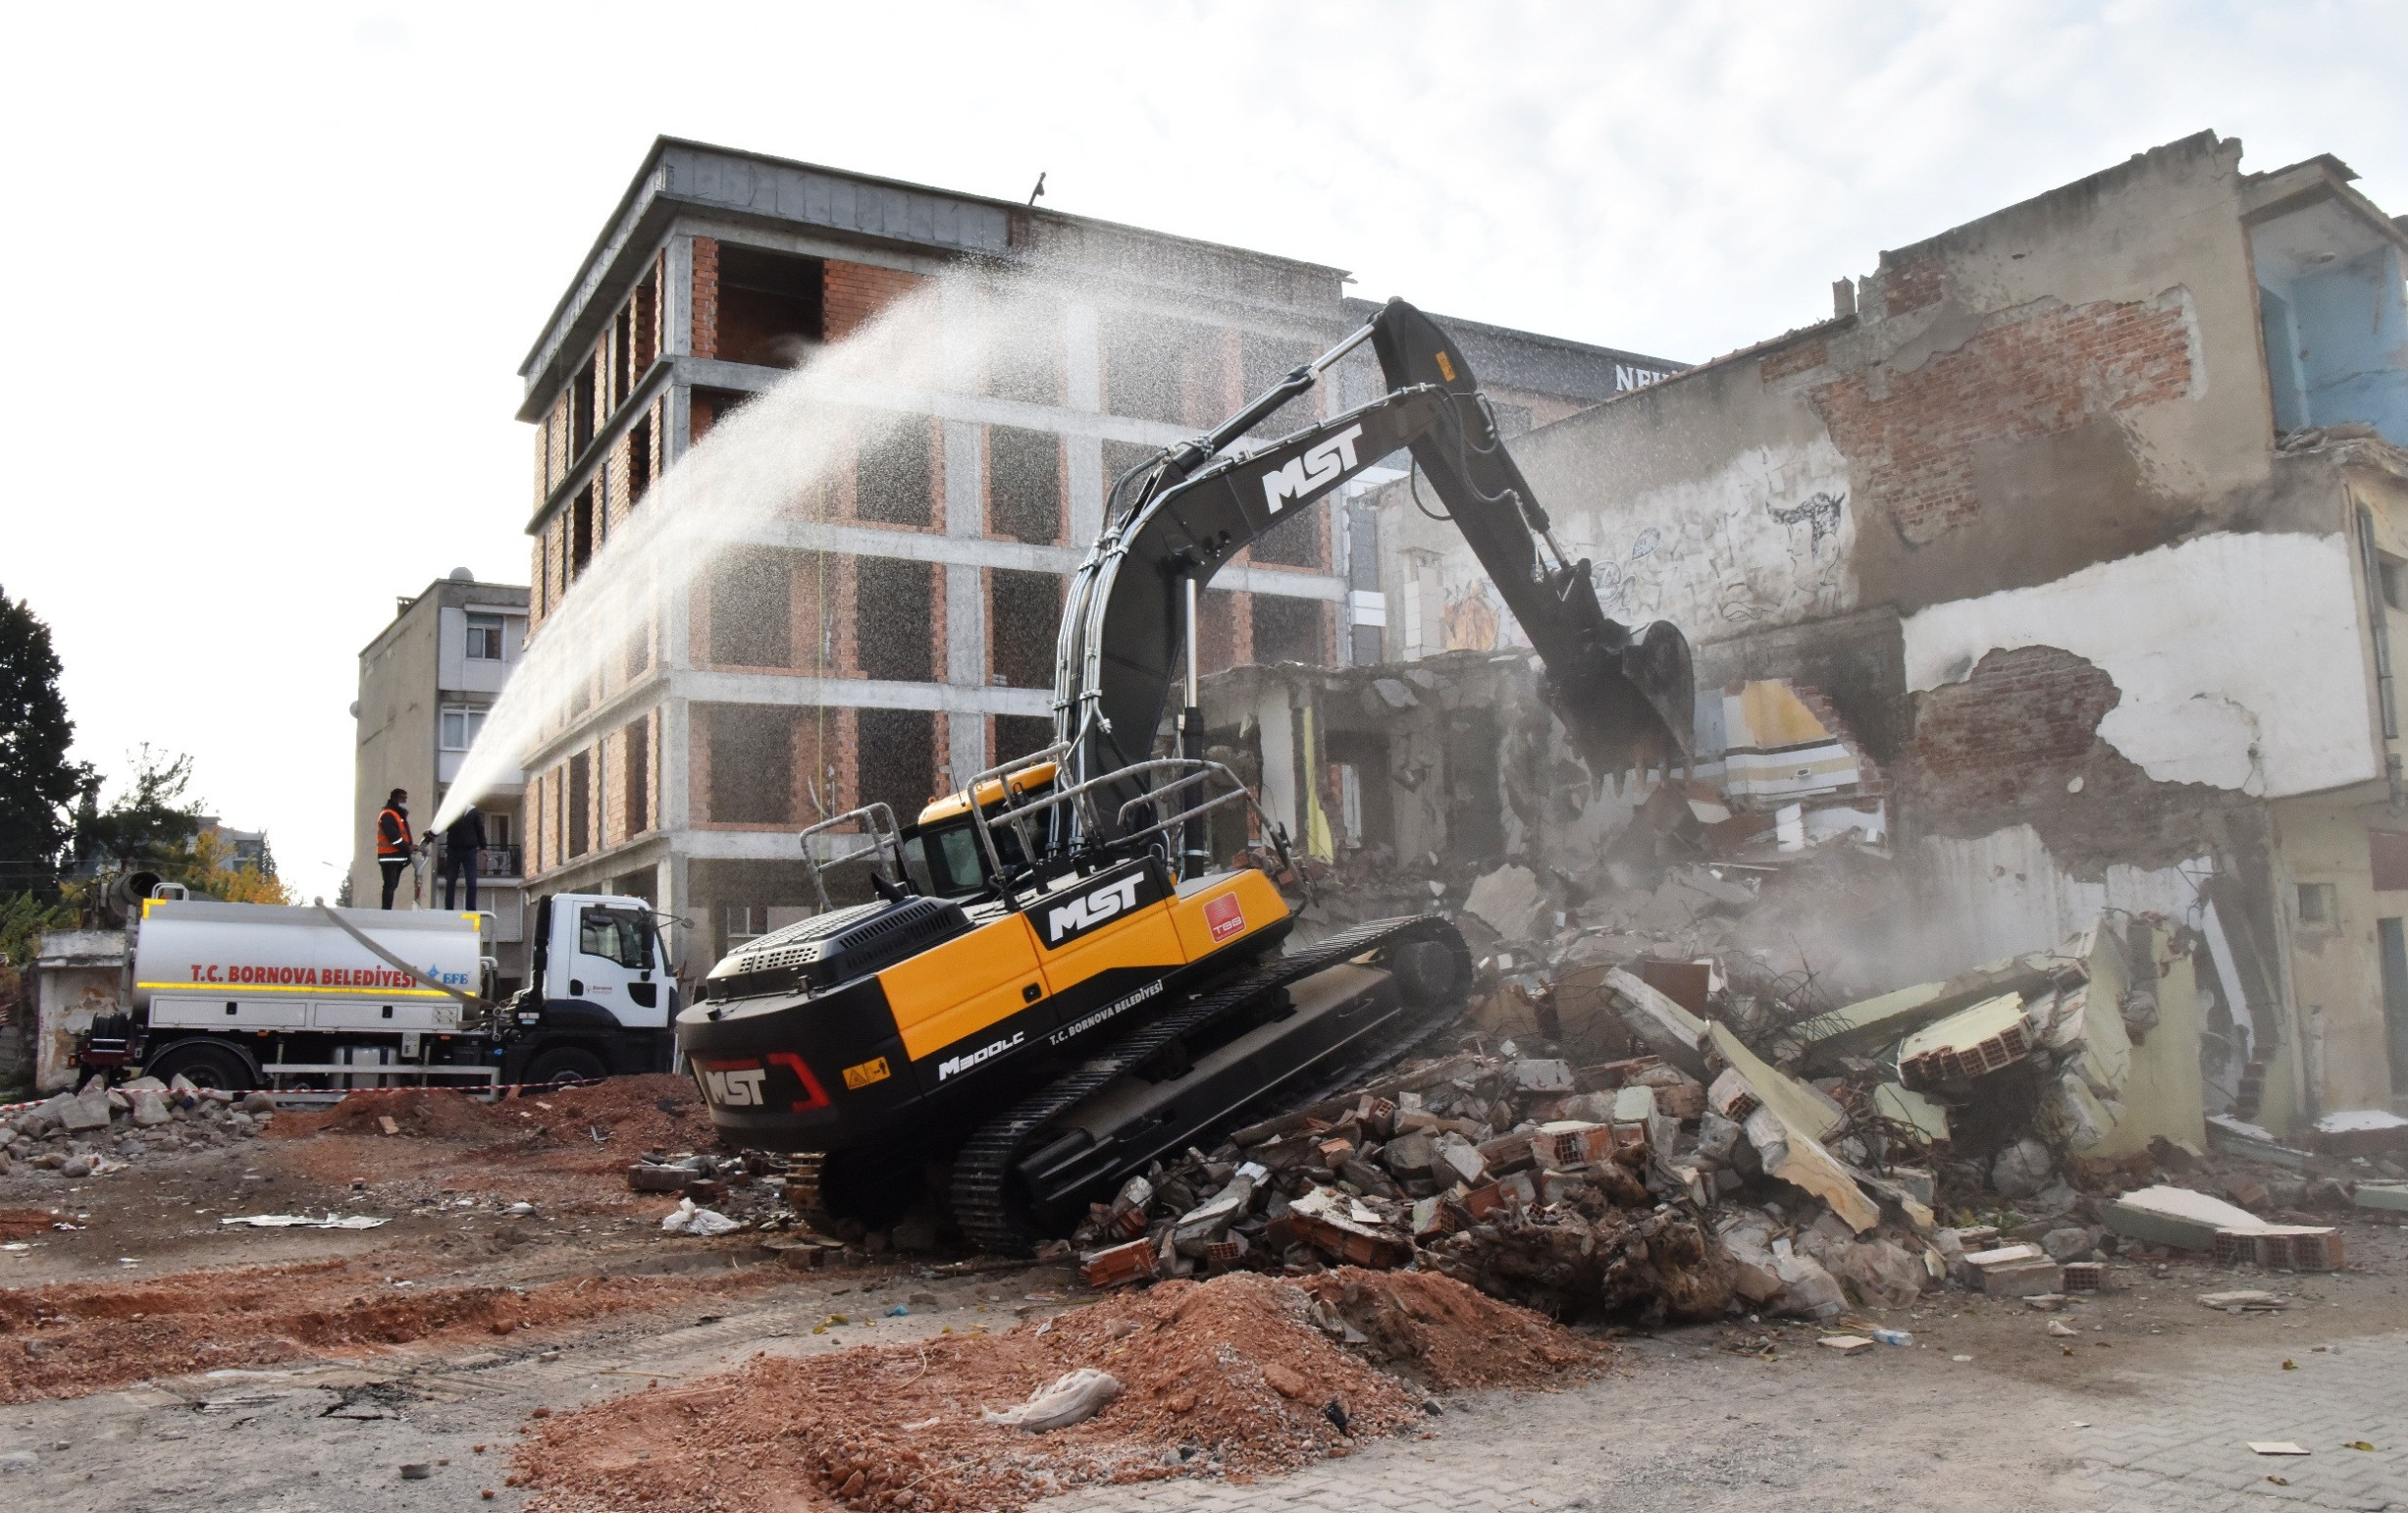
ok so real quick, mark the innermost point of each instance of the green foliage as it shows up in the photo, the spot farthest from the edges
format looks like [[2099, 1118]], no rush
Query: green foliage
[[152, 826], [37, 780], [24, 916]]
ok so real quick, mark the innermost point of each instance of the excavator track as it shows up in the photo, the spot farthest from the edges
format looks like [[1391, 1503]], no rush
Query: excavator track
[[982, 1174]]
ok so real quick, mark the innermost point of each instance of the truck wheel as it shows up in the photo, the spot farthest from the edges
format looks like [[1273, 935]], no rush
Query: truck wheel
[[566, 1063], [204, 1066]]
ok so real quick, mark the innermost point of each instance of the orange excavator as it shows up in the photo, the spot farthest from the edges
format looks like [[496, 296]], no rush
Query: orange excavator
[[1055, 986]]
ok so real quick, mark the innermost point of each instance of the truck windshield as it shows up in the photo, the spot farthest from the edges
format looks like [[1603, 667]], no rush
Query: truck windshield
[[618, 935]]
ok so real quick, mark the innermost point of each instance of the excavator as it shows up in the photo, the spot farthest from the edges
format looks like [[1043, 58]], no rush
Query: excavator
[[1054, 986]]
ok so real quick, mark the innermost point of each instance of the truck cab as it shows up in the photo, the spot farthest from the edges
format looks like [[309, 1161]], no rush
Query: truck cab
[[602, 994]]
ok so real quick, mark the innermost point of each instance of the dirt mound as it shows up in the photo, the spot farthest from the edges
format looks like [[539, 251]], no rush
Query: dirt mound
[[1442, 1333], [1229, 1377], [22, 1223], [78, 1337], [426, 1113], [631, 1115]]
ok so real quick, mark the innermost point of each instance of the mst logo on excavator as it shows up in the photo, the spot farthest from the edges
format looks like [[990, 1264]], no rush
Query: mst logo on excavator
[[1320, 465], [1061, 923]]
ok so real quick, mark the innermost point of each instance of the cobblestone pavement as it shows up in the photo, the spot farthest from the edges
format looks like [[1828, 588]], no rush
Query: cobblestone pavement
[[1680, 1428]]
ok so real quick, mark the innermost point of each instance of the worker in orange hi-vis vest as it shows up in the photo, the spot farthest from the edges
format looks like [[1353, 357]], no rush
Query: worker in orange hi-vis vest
[[394, 843]]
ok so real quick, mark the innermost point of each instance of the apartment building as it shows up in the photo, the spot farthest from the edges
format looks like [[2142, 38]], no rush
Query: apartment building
[[425, 685], [896, 632]]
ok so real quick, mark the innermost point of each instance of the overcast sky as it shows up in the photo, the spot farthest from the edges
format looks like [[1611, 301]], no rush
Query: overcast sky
[[274, 268]]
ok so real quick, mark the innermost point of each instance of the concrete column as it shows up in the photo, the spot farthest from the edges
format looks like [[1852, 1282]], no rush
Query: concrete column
[[676, 785], [677, 307], [1082, 364], [967, 732], [1083, 390], [964, 479]]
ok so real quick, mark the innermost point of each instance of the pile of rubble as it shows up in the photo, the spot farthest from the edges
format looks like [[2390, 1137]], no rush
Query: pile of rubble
[[1957, 1131], [98, 1129]]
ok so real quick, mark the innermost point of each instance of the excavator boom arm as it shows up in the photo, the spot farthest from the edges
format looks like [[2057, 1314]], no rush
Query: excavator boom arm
[[1626, 697]]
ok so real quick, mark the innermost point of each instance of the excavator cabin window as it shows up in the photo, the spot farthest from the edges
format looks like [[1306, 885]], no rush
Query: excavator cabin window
[[945, 860]]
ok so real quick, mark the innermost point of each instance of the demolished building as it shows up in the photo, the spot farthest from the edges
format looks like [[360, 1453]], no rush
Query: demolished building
[[2056, 573]]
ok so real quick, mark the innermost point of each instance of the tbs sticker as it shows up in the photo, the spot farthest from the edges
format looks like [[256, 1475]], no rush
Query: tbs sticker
[[1225, 915]]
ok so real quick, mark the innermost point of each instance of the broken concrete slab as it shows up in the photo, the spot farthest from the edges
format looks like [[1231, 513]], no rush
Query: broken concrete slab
[[1507, 900], [1902, 1106], [2360, 1132], [2176, 1216], [2392, 1197], [1989, 1036], [1663, 1027], [1863, 1028], [1800, 1160], [1801, 1105], [2022, 1278]]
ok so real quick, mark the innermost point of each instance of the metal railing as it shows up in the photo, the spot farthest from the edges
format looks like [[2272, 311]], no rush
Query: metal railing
[[881, 842]]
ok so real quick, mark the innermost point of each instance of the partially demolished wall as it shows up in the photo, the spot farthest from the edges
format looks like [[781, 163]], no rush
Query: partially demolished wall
[[2015, 527]]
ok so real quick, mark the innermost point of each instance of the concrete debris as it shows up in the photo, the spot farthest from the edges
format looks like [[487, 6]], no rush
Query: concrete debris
[[686, 1219], [1075, 1398], [2361, 1132], [1507, 900]]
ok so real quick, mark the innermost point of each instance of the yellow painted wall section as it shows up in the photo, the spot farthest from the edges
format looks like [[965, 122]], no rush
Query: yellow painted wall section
[[1776, 717], [962, 986], [2335, 964], [2161, 1095], [1259, 902]]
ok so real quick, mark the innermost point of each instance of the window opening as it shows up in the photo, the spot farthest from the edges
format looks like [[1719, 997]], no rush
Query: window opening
[[485, 641], [461, 725], [580, 803], [892, 619], [894, 474], [1024, 627], [771, 306]]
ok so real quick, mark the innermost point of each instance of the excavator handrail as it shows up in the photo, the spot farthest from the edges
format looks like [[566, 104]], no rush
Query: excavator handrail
[[1203, 768], [879, 841]]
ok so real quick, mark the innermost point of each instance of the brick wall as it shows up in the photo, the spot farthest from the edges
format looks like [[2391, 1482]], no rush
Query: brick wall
[[854, 293], [2018, 743], [705, 337], [1912, 446]]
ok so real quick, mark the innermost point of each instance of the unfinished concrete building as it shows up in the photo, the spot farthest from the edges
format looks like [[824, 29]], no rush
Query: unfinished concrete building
[[897, 633], [2085, 527]]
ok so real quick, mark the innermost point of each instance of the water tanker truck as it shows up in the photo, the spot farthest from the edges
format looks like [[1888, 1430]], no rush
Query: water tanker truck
[[261, 996]]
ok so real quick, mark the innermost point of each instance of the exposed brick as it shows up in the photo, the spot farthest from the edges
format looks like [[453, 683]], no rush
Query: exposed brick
[[856, 293], [1913, 447], [1909, 283], [705, 333], [1802, 358]]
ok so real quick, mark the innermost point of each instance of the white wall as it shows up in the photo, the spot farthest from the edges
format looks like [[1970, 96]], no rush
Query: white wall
[[2239, 657]]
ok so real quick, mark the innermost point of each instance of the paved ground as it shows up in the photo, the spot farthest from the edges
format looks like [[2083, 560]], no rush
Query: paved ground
[[1892, 1430], [2148, 1405]]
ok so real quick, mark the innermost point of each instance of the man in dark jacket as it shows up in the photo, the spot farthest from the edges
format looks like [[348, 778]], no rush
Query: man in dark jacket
[[393, 842], [463, 843]]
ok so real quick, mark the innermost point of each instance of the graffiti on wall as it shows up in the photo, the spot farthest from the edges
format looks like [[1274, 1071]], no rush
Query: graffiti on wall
[[1765, 541]]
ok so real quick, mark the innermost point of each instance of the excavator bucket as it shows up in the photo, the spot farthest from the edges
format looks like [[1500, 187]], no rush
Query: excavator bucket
[[1628, 697]]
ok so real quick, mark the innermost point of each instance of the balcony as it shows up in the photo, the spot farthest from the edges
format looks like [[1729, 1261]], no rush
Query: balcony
[[495, 861]]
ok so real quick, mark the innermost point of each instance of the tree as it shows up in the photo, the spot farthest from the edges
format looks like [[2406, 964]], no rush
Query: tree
[[37, 780], [152, 826]]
